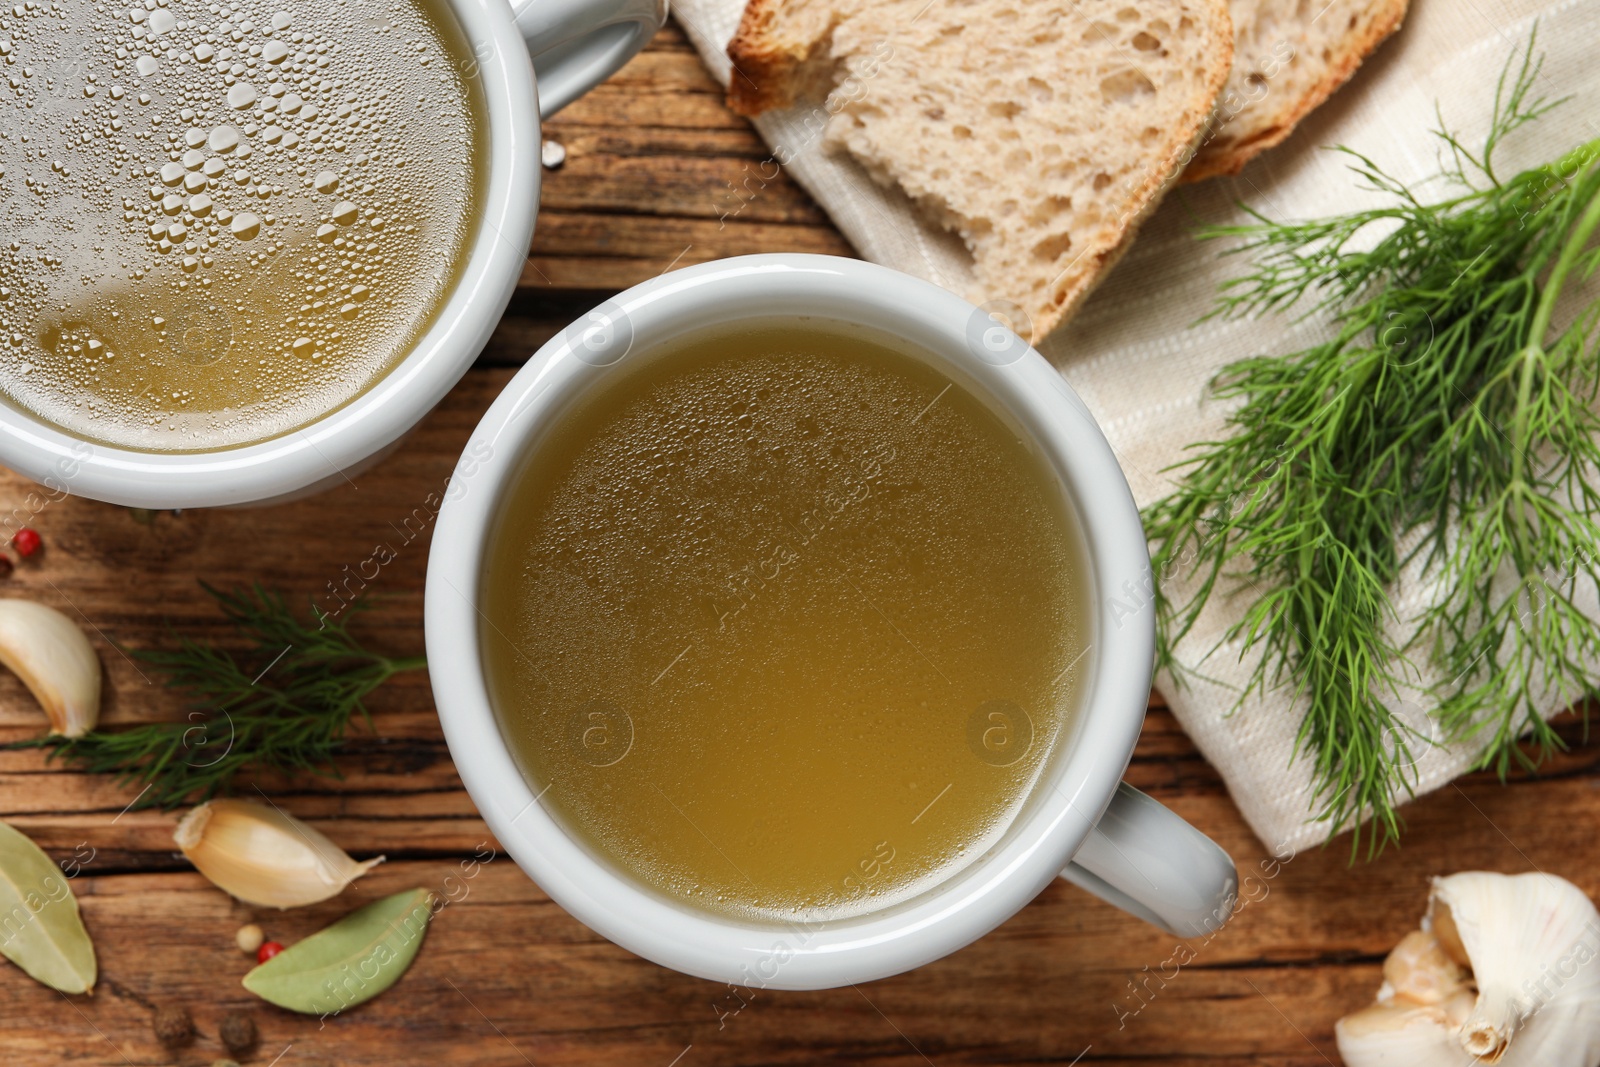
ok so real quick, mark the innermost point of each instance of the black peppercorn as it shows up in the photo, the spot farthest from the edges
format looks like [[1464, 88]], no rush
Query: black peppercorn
[[238, 1032], [173, 1026]]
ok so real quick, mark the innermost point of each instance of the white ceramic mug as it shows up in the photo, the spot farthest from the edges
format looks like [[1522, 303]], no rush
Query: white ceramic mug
[[1079, 822], [574, 45]]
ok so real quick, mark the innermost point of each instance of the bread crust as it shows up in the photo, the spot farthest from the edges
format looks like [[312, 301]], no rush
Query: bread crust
[[1230, 157], [763, 79], [1149, 195], [759, 79]]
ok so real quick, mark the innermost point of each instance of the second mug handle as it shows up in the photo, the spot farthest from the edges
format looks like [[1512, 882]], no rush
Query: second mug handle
[[577, 44], [1150, 863]]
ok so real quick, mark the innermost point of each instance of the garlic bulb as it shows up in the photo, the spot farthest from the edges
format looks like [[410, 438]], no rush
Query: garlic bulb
[[55, 661], [264, 856], [1505, 970]]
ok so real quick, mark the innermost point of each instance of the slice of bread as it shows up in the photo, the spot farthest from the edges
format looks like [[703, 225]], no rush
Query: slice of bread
[[1289, 56], [1040, 131]]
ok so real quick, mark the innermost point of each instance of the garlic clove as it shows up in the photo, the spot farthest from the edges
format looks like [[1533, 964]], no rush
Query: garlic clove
[[1441, 923], [55, 661], [1418, 970], [264, 856], [1397, 1034], [1459, 1007], [1422, 1004], [1504, 971]]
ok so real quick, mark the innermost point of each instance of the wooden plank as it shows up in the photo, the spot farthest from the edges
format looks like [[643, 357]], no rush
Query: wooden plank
[[660, 174], [1067, 973], [711, 188], [575, 250]]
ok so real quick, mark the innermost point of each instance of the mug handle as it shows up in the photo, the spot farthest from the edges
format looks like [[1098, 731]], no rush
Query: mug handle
[[577, 44], [1150, 863]]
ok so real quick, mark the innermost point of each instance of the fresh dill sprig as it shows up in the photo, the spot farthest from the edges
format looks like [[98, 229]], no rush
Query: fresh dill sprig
[[284, 705], [1449, 406]]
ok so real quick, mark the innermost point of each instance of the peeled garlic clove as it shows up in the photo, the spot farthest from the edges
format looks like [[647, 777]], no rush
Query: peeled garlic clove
[[1411, 1022], [55, 661], [1396, 1034], [264, 856], [1459, 1007], [1529, 993], [1419, 970]]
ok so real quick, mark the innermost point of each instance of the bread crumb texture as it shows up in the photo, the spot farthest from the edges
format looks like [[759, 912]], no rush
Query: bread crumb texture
[[1040, 132], [1289, 56]]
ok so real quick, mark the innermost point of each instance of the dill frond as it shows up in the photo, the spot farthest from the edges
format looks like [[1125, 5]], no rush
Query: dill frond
[[285, 705], [1483, 438]]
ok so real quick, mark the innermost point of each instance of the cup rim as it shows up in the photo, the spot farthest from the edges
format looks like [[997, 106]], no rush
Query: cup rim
[[1044, 835], [320, 452]]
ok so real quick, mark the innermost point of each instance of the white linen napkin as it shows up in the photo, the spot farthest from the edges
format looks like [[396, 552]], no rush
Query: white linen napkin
[[1135, 354]]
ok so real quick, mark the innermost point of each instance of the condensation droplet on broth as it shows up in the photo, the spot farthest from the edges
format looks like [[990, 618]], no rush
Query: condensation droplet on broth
[[207, 185]]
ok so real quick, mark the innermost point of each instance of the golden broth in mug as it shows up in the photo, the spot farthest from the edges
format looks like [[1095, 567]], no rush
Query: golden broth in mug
[[783, 622], [219, 222]]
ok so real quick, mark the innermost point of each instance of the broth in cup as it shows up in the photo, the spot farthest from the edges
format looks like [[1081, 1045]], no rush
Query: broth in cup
[[224, 220], [783, 621]]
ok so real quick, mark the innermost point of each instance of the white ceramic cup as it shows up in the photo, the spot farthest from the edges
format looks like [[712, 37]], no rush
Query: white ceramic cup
[[1079, 822], [574, 45]]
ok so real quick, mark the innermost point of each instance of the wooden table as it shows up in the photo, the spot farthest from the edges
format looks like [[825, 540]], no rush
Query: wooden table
[[506, 977]]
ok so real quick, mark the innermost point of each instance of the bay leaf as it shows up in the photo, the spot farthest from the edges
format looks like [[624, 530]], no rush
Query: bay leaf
[[40, 928], [347, 963]]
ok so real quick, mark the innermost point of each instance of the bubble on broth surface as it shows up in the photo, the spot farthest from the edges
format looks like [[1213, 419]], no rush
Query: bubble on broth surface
[[833, 596], [207, 185]]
